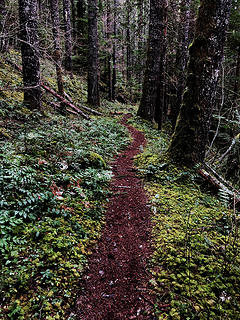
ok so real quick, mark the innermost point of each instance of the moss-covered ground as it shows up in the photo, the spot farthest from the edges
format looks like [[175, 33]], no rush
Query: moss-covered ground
[[54, 175], [195, 266]]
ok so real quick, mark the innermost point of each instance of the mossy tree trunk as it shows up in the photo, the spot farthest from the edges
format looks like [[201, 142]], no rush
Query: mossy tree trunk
[[160, 108], [28, 20], [151, 82], [190, 137], [181, 58], [93, 67]]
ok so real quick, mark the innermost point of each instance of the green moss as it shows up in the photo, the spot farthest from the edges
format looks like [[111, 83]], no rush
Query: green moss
[[55, 181], [4, 133], [195, 265], [95, 160]]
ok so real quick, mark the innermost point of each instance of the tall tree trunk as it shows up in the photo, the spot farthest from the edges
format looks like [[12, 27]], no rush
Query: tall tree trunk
[[93, 71], [160, 109], [56, 39], [152, 74], [3, 29], [67, 34], [28, 18], [140, 39], [114, 70], [81, 9], [109, 53], [190, 137], [128, 43], [181, 58], [237, 80], [74, 23]]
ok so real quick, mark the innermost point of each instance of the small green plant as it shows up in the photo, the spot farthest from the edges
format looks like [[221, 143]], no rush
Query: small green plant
[[195, 265], [54, 181]]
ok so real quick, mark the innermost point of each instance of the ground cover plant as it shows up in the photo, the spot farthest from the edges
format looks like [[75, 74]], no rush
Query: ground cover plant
[[54, 175], [195, 266]]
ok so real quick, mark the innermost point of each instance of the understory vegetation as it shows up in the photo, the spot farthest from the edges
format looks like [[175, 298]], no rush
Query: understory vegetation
[[54, 175], [195, 266]]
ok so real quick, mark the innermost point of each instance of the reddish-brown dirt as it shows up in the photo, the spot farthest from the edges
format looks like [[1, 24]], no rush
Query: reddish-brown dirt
[[115, 285]]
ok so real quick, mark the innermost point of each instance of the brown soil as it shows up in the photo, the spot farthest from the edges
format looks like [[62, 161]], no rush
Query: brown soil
[[116, 284]]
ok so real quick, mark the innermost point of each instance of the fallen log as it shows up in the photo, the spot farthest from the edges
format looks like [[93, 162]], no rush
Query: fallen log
[[65, 101], [89, 109], [67, 96], [54, 93], [219, 183], [57, 106]]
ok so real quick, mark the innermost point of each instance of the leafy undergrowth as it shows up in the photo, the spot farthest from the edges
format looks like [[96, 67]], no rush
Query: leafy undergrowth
[[54, 177], [196, 259]]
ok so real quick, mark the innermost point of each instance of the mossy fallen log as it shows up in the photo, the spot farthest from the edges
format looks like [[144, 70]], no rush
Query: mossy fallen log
[[218, 182]]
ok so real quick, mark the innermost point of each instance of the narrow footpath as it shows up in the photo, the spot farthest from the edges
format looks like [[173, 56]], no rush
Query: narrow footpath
[[115, 284]]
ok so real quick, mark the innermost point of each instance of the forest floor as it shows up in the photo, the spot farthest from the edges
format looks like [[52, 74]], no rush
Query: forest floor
[[159, 245], [116, 283]]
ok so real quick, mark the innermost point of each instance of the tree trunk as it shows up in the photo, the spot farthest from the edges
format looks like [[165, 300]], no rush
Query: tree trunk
[[67, 34], [128, 43], [152, 74], [160, 109], [74, 25], [56, 39], [28, 19], [93, 71], [237, 80], [181, 58], [114, 69], [80, 16], [109, 52], [3, 29], [140, 39], [190, 137]]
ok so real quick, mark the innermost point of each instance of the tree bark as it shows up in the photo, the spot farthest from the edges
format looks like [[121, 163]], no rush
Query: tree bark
[[181, 58], [109, 52], [57, 47], [128, 43], [74, 26], [3, 29], [160, 108], [237, 80], [152, 74], [190, 137], [114, 68], [81, 10], [140, 39], [93, 69], [67, 34], [28, 19]]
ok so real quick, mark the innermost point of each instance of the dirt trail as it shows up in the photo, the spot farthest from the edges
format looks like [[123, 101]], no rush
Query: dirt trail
[[115, 286]]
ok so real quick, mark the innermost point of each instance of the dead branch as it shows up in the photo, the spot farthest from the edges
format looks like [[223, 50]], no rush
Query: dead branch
[[67, 96], [89, 109], [61, 98], [66, 102], [219, 182], [17, 88], [229, 149]]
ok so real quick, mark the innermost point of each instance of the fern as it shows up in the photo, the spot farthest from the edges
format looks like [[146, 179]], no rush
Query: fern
[[224, 197]]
